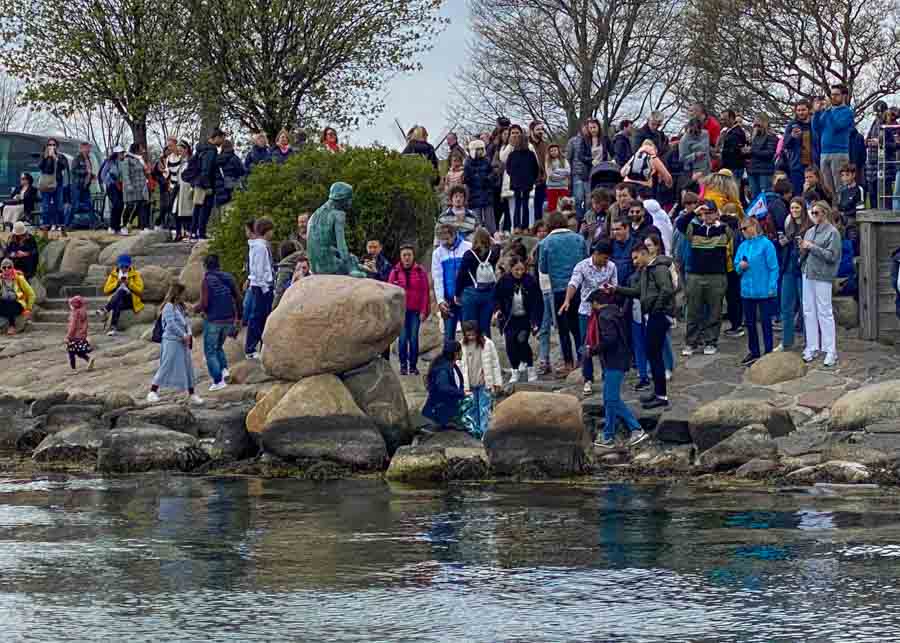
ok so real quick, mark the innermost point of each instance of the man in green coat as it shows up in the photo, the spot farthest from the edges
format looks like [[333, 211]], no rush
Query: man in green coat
[[326, 243]]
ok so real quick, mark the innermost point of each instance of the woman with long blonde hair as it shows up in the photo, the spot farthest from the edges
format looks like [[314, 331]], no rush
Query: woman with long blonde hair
[[722, 189], [417, 143]]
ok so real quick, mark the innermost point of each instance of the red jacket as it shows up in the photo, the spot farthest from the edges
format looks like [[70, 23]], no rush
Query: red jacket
[[416, 287]]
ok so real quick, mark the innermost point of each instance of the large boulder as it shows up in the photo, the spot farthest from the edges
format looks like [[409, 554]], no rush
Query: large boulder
[[317, 419], [175, 417], [134, 245], [40, 291], [846, 312], [377, 391], [331, 324], [874, 404], [431, 332], [54, 281], [256, 418], [538, 434], [713, 422], [741, 447], [757, 469], [79, 443], [129, 318], [52, 255], [156, 283], [136, 449], [777, 367], [418, 464], [839, 471], [79, 255], [210, 420], [193, 271]]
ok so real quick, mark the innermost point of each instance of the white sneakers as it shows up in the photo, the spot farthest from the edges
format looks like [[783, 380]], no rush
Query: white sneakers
[[588, 388], [217, 387], [196, 400], [668, 375], [532, 374], [225, 374], [514, 378], [153, 397], [709, 349], [110, 231], [687, 351]]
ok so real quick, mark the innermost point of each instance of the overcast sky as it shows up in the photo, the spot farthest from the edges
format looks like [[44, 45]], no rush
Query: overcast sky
[[422, 97]]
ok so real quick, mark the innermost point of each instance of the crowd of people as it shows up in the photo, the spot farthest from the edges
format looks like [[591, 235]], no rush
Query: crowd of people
[[717, 223]]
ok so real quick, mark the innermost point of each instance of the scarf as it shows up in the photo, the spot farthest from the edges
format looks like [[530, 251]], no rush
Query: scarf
[[284, 148]]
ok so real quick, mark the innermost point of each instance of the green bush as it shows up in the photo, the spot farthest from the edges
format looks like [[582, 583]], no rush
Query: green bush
[[393, 199]]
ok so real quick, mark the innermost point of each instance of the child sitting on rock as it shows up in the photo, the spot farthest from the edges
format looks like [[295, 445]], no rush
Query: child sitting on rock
[[482, 376], [77, 343]]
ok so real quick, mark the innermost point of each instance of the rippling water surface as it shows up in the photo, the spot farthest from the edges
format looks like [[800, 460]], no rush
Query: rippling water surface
[[184, 559]]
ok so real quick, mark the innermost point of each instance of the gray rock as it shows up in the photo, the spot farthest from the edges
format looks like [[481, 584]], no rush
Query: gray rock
[[175, 417], [79, 255], [51, 257], [377, 390], [800, 443], [865, 448], [832, 471], [45, 402], [136, 449], [668, 459], [713, 422], [874, 404], [54, 281], [746, 444], [672, 424], [209, 421], [62, 416], [232, 442], [449, 439], [347, 440], [79, 443], [418, 464], [757, 469], [846, 312]]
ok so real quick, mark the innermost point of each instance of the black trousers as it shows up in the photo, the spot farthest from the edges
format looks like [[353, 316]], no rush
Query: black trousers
[[10, 308], [657, 328], [568, 324], [121, 300], [519, 352]]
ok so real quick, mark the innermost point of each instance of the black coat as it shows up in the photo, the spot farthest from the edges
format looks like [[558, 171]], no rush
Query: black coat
[[622, 148], [478, 176], [533, 299], [523, 169], [733, 142], [613, 348], [229, 172], [207, 155], [28, 265], [424, 149], [762, 155]]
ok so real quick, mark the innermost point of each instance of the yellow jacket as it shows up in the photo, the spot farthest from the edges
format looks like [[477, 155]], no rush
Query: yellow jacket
[[721, 201], [24, 292], [133, 281]]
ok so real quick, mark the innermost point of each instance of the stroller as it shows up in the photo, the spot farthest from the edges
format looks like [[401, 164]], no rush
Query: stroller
[[605, 175]]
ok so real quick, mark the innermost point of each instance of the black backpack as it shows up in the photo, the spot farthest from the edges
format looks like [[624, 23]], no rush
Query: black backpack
[[191, 172]]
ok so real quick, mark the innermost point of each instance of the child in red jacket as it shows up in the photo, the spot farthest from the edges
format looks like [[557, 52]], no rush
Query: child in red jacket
[[414, 280]]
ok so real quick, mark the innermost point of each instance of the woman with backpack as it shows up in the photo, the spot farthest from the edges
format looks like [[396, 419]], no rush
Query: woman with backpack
[[521, 311], [645, 168], [477, 280]]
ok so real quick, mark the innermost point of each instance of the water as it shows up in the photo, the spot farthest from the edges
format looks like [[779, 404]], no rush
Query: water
[[187, 559]]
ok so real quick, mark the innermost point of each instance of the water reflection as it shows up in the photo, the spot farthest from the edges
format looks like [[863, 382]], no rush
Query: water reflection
[[161, 558]]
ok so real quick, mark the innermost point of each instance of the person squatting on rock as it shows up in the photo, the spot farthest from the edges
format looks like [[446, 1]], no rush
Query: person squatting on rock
[[482, 378], [446, 390], [16, 295], [520, 312], [261, 278], [176, 371], [220, 304], [410, 276], [124, 286], [606, 337], [77, 344]]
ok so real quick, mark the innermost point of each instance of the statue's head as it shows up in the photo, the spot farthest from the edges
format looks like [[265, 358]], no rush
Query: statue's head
[[341, 193]]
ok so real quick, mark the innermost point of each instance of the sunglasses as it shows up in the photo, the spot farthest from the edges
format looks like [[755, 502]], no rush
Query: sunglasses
[[818, 213], [746, 227]]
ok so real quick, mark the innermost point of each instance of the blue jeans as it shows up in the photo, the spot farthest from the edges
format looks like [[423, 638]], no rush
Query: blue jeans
[[614, 408], [52, 207], [580, 191], [765, 309], [452, 322], [214, 336], [478, 306], [409, 339], [639, 346], [759, 183], [546, 328], [587, 362], [247, 311], [478, 413], [791, 296], [262, 306]]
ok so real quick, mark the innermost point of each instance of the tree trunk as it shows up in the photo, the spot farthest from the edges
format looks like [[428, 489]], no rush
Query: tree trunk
[[139, 132], [210, 118]]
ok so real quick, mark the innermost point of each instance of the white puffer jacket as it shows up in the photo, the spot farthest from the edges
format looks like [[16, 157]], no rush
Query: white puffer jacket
[[490, 364]]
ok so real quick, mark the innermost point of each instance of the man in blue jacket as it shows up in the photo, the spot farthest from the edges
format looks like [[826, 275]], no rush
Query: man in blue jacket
[[445, 264], [833, 126]]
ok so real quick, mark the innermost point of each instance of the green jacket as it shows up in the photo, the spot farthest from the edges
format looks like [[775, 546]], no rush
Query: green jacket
[[655, 289]]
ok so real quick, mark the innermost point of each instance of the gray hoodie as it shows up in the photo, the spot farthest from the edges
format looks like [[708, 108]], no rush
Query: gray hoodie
[[821, 262]]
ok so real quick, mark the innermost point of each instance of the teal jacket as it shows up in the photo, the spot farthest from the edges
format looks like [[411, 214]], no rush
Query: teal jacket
[[760, 280]]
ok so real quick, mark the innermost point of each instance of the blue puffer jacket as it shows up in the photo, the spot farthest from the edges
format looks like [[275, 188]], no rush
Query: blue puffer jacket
[[478, 177], [833, 126], [760, 280], [255, 156], [561, 250]]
